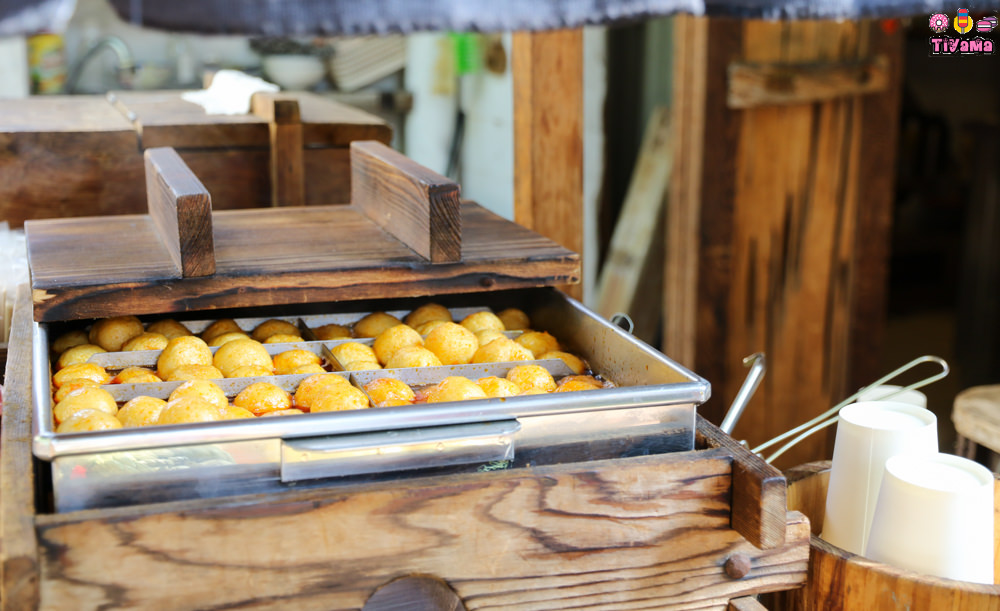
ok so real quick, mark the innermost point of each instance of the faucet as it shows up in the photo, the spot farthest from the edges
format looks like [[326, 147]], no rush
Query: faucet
[[126, 63]]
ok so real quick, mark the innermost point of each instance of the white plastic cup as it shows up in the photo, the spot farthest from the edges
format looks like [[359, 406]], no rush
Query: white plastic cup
[[890, 392], [868, 434], [935, 516]]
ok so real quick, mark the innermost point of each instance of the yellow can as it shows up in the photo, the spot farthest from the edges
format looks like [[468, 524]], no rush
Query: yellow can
[[47, 60]]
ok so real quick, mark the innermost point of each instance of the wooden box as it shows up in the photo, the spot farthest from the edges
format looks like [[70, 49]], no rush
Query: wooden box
[[70, 156]]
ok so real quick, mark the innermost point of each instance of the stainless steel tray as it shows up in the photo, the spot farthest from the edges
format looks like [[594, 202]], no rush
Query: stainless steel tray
[[654, 396]]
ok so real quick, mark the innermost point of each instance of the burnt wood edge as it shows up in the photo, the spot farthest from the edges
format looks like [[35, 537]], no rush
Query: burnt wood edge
[[181, 210], [427, 204], [760, 502]]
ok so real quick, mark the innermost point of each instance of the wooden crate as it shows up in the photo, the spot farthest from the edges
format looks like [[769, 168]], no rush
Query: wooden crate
[[70, 156], [683, 530]]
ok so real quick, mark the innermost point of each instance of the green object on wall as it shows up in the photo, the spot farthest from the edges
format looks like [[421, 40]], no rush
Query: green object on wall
[[467, 55]]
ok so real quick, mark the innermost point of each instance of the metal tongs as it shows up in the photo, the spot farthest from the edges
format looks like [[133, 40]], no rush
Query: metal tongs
[[830, 416], [758, 366]]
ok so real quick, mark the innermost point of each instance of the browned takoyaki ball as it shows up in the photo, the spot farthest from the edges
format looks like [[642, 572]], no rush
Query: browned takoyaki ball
[[112, 333], [498, 387], [241, 353], [375, 323], [332, 331], [453, 344], [263, 397], [218, 340], [185, 350], [88, 371], [455, 388], [194, 372], [186, 410], [575, 363], [514, 319], [289, 360], [169, 328], [146, 341], [413, 356], [80, 353], [203, 389], [500, 350], [89, 420], [219, 327], [69, 339], [272, 327], [480, 321], [135, 375], [393, 339], [388, 392], [539, 342], [313, 387], [427, 313], [141, 411], [339, 398], [532, 379], [89, 397]]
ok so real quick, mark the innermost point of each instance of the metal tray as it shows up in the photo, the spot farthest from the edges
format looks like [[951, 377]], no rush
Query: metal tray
[[654, 396]]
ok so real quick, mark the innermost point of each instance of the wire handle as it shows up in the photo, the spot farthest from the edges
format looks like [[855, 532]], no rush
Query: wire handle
[[829, 416]]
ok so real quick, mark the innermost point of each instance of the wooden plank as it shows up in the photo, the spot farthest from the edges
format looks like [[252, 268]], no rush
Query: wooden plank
[[630, 533], [19, 566], [327, 176], [626, 265], [548, 135], [328, 123], [413, 203], [281, 111], [277, 256], [762, 84], [746, 603], [181, 212], [759, 501]]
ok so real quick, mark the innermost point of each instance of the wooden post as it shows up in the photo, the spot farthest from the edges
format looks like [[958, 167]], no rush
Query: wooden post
[[548, 136], [287, 170], [779, 216]]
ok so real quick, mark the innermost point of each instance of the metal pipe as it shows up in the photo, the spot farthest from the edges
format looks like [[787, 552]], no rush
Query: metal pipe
[[758, 366], [126, 62]]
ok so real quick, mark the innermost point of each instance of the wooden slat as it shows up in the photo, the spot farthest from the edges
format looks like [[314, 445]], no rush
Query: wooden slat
[[746, 603], [181, 212], [760, 84], [627, 264], [276, 256], [631, 533], [19, 567], [759, 498], [548, 135], [281, 111], [413, 203]]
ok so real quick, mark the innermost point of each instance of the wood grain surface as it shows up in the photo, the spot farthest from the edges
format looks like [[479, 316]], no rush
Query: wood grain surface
[[281, 111], [780, 225], [415, 204], [19, 577], [841, 580], [548, 135], [759, 495], [622, 534], [275, 256], [180, 209], [769, 84]]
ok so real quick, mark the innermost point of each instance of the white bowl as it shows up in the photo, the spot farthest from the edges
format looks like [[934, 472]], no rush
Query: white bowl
[[293, 71]]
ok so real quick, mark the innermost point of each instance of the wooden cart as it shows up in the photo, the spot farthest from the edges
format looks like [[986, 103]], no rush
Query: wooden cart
[[701, 529]]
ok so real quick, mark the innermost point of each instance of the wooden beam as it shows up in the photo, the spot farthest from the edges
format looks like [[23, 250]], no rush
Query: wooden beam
[[769, 84], [281, 111], [548, 135]]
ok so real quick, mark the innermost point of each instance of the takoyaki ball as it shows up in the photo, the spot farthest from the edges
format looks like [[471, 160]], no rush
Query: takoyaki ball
[[218, 340], [453, 344], [141, 411], [332, 331], [498, 387], [389, 392], [250, 371], [263, 397], [135, 375], [455, 388], [289, 360], [575, 363], [233, 412], [88, 371], [146, 341], [394, 339], [430, 325], [480, 321], [532, 379], [220, 327], [185, 350], [194, 372], [186, 410], [575, 385], [240, 353], [272, 327], [307, 368], [169, 328], [488, 335], [539, 342], [203, 389], [112, 333], [500, 350], [291, 411], [413, 356], [89, 420], [514, 319], [283, 338], [340, 398], [69, 339], [72, 386], [353, 351], [581, 378], [427, 313], [375, 323], [90, 397], [78, 354], [361, 366], [313, 387]]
